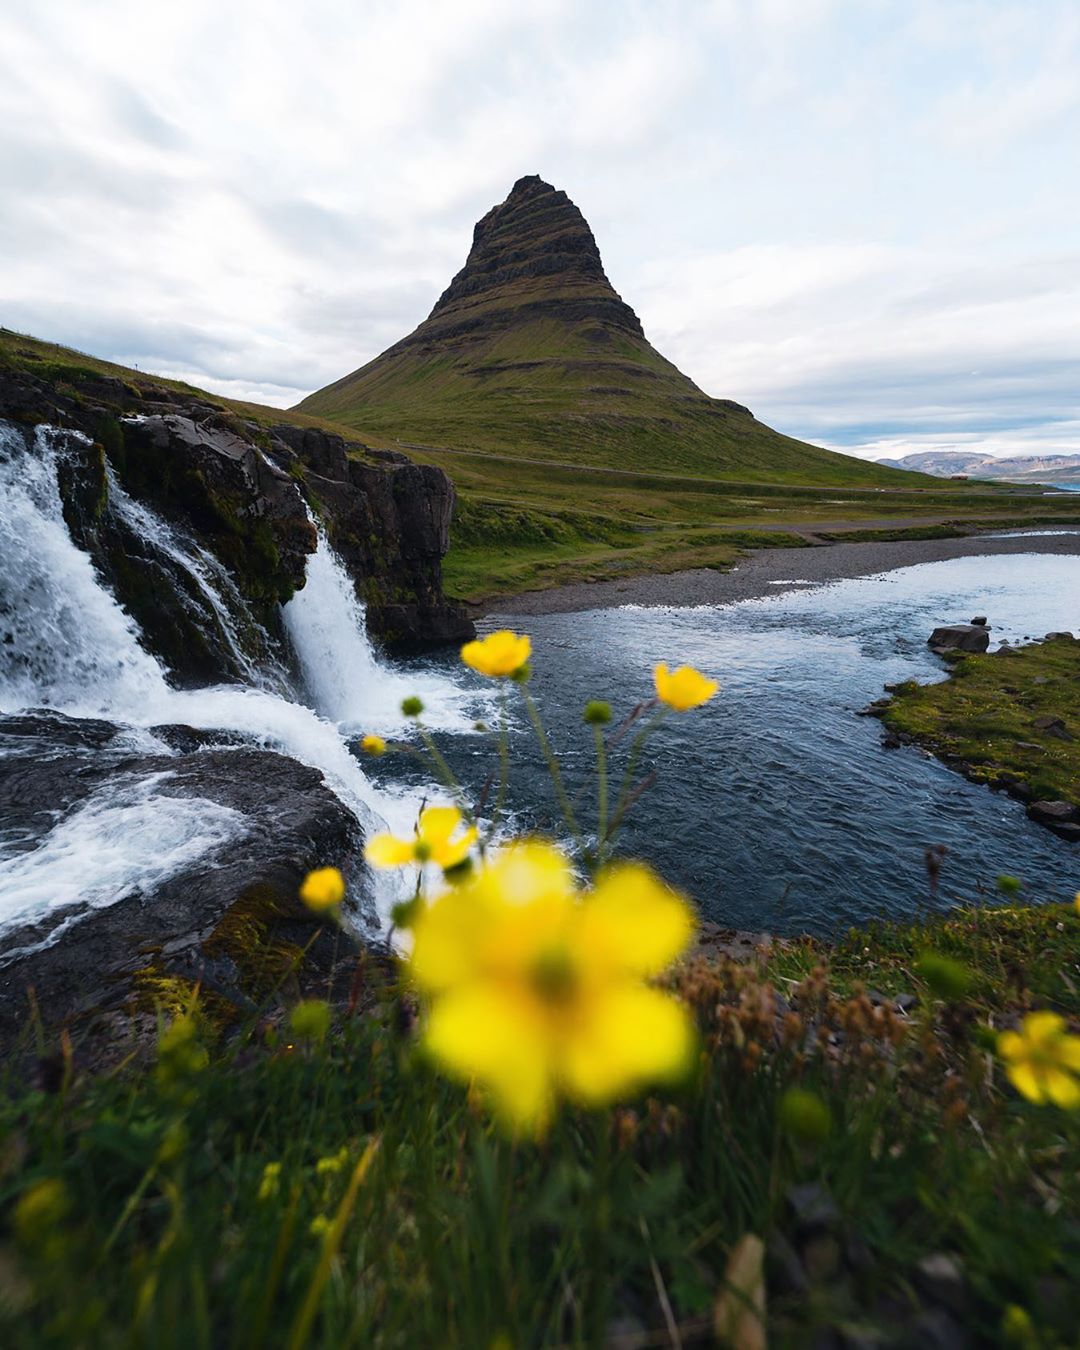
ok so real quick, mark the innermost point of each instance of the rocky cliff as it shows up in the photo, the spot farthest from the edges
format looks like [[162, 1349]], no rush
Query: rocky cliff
[[244, 492]]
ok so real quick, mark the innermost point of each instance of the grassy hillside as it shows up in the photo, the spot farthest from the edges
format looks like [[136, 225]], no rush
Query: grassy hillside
[[531, 353], [523, 523]]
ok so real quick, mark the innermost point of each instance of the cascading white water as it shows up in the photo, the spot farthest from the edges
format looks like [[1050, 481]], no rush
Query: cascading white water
[[62, 635], [66, 644], [120, 841], [216, 589], [342, 675]]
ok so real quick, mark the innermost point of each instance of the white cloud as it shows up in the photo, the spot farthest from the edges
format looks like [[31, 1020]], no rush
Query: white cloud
[[835, 213]]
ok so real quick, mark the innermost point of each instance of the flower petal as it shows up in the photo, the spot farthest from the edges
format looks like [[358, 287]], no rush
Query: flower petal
[[1010, 1045], [1069, 1051], [1026, 1081], [633, 922], [628, 1035], [437, 824], [449, 935], [386, 850], [1062, 1088], [1043, 1026], [477, 1032], [450, 854]]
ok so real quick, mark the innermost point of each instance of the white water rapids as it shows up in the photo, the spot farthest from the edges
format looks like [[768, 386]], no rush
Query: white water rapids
[[66, 644]]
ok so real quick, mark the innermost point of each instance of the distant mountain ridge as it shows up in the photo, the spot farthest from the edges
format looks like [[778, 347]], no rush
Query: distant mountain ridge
[[1049, 469], [530, 352]]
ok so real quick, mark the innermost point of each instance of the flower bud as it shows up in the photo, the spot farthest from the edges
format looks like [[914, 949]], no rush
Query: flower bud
[[597, 713], [412, 706], [944, 977], [805, 1116]]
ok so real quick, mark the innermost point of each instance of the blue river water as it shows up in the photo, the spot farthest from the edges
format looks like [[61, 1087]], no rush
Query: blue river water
[[775, 805]]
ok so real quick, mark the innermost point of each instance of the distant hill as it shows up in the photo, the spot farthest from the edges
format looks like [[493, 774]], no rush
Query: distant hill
[[530, 352], [1050, 469]]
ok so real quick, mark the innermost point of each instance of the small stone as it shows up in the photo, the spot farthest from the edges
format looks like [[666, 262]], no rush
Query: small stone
[[812, 1206], [1054, 726], [941, 1279], [1053, 813], [1058, 637], [980, 622]]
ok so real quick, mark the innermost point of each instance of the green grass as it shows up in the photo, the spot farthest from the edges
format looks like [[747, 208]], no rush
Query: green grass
[[523, 524], [157, 1229], [984, 716]]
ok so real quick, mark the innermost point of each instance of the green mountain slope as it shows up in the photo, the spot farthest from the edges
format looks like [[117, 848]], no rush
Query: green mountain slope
[[530, 352]]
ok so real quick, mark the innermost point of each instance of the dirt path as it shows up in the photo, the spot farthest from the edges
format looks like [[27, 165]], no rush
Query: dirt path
[[773, 571]]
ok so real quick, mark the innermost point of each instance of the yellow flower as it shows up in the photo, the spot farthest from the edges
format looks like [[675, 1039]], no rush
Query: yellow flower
[[373, 745], [1076, 902], [1043, 1060], [537, 989], [323, 889], [271, 1179], [498, 654], [684, 688], [41, 1209], [432, 841], [319, 1226], [330, 1166]]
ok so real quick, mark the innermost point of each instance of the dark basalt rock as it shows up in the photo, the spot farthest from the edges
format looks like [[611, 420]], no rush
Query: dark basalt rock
[[389, 520], [536, 233], [959, 637], [206, 923], [238, 490]]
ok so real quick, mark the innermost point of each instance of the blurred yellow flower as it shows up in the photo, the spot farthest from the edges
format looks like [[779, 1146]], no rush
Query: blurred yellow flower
[[684, 688], [373, 745], [326, 1167], [271, 1180], [40, 1209], [1043, 1060], [538, 989], [432, 841], [498, 654], [323, 889]]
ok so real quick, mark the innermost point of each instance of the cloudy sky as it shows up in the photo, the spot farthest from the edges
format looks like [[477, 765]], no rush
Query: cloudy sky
[[859, 217]]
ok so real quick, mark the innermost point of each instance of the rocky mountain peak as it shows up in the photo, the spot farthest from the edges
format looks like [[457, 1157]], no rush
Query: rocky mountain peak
[[535, 246]]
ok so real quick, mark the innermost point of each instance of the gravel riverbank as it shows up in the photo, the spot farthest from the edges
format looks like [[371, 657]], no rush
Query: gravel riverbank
[[772, 571]]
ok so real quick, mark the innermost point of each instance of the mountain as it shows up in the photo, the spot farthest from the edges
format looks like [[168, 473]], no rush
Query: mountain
[[1050, 469], [530, 352]]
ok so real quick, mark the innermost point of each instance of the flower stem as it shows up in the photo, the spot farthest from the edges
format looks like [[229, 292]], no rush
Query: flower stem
[[552, 764], [601, 787], [626, 786]]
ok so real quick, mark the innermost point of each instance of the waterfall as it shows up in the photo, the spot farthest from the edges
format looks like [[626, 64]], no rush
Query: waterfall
[[342, 677], [219, 600], [67, 644]]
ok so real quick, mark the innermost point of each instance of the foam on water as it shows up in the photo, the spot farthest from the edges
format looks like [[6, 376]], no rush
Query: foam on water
[[119, 842], [66, 644]]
